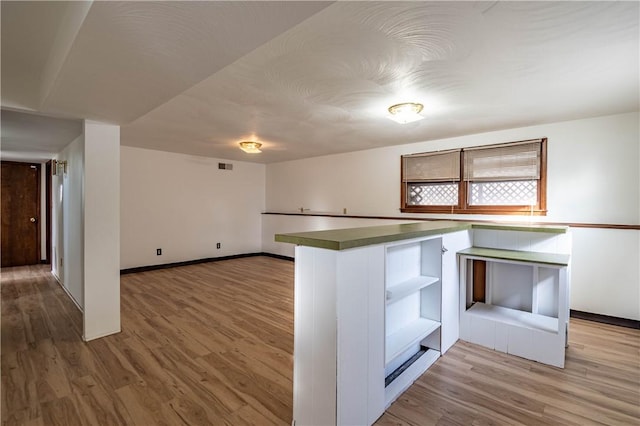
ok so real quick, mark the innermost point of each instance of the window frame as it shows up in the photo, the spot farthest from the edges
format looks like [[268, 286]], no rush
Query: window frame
[[463, 207]]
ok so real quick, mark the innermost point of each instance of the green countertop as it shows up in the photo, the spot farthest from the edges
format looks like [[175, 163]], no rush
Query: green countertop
[[521, 256], [341, 239], [548, 229]]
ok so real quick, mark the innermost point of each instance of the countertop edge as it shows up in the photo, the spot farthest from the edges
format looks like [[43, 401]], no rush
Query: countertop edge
[[556, 259], [403, 236], [315, 238], [304, 239], [548, 229]]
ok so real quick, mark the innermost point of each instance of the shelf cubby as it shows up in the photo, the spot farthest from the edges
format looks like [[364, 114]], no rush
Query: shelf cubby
[[409, 335], [514, 317], [413, 299], [408, 287], [525, 311], [415, 367]]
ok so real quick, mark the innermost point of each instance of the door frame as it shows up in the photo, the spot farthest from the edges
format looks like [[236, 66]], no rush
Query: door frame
[[48, 206]]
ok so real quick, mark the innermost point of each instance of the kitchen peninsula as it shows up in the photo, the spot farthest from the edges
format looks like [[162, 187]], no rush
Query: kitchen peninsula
[[375, 307]]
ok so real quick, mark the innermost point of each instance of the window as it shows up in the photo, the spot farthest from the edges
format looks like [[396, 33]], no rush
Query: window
[[498, 179], [432, 178]]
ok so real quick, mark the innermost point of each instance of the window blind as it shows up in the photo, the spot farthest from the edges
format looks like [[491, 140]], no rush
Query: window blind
[[519, 161], [432, 167]]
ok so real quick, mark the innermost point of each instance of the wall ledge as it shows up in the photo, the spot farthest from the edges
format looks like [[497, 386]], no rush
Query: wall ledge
[[424, 219]]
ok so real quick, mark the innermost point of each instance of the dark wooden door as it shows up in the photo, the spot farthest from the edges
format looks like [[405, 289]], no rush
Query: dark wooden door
[[20, 199]]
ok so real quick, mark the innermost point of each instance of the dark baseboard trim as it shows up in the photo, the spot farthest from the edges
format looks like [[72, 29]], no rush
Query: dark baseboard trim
[[277, 256], [606, 319], [198, 261]]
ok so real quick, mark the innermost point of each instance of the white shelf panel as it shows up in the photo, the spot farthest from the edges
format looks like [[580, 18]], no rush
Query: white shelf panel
[[410, 375], [514, 317], [407, 336], [405, 288]]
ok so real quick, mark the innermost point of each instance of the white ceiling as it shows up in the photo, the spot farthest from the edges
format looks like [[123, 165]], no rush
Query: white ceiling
[[314, 78], [34, 137]]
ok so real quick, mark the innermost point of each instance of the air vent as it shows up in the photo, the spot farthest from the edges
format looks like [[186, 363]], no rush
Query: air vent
[[225, 166]]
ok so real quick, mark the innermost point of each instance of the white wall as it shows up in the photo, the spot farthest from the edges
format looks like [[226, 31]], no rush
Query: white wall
[[185, 205], [605, 274], [101, 230], [86, 228], [592, 173], [593, 177], [68, 231]]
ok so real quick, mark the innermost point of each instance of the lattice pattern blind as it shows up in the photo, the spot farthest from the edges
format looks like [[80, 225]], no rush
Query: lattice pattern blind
[[433, 194], [503, 163], [504, 193], [432, 167]]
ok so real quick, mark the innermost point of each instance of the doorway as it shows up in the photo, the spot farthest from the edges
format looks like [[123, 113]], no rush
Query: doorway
[[20, 199]]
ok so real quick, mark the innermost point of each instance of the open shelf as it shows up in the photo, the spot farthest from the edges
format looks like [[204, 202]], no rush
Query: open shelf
[[408, 336], [412, 285], [399, 384], [514, 317], [398, 371]]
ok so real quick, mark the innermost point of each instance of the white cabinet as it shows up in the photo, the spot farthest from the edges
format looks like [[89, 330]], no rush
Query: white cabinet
[[338, 365], [365, 314], [413, 300], [421, 315], [526, 306], [453, 242], [373, 311]]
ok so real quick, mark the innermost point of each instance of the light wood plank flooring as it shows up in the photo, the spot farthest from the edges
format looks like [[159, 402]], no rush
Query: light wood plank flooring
[[212, 344]]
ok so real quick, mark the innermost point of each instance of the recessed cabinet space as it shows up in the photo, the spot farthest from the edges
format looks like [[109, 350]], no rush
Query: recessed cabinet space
[[413, 300], [521, 306]]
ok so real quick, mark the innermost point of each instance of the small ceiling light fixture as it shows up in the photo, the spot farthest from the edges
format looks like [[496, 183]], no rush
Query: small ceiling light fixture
[[406, 112], [250, 147]]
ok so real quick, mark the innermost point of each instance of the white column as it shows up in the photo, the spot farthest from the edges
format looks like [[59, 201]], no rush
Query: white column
[[101, 230]]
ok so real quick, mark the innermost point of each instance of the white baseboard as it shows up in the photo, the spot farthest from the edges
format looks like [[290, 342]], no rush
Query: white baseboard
[[100, 335]]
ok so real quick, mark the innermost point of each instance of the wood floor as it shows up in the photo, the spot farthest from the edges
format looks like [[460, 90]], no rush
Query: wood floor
[[212, 344]]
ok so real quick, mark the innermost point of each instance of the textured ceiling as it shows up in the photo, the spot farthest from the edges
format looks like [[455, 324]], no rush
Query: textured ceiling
[[309, 79]]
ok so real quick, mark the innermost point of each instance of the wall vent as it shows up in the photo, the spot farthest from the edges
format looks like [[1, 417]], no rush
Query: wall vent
[[225, 166]]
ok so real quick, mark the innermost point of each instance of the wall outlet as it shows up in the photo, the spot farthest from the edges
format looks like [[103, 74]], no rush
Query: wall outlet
[[218, 245], [158, 252]]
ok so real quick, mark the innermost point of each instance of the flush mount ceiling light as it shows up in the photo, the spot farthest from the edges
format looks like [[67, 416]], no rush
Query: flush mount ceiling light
[[250, 147], [406, 112]]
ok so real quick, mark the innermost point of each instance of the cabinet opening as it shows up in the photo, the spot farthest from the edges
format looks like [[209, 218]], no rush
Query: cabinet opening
[[413, 302], [526, 295], [511, 285], [526, 307], [398, 371]]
